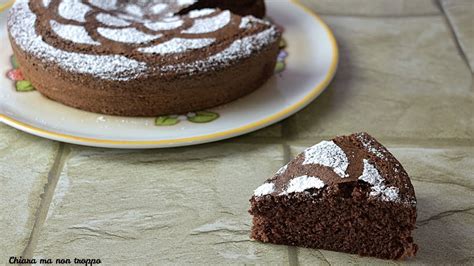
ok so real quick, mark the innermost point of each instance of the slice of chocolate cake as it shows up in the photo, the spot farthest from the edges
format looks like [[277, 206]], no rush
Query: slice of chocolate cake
[[349, 195]]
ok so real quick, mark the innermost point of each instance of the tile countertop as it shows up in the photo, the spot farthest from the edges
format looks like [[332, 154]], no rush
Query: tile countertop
[[405, 76]]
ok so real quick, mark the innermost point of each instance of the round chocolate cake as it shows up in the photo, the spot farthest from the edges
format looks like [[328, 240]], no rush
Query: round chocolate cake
[[143, 58]]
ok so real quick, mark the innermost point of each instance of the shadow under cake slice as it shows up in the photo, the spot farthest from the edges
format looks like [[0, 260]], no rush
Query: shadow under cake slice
[[349, 194]]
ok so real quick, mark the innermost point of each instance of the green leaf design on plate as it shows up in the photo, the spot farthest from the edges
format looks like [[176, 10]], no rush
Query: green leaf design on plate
[[24, 86], [14, 62], [203, 117], [280, 67], [283, 43], [166, 121]]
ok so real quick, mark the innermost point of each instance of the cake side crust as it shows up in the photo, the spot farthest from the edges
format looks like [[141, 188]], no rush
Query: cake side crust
[[149, 96], [345, 224]]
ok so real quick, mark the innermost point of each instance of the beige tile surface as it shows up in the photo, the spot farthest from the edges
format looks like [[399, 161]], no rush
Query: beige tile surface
[[398, 78], [402, 77], [24, 165], [374, 7], [461, 16], [273, 131], [445, 223], [448, 165], [171, 206]]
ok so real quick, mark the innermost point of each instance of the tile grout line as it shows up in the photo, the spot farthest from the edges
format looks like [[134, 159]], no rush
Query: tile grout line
[[454, 35], [46, 198], [286, 129]]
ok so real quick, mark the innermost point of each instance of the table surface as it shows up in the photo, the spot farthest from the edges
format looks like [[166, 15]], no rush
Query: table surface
[[405, 76]]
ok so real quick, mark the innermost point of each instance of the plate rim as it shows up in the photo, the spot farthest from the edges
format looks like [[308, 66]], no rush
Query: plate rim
[[6, 5], [282, 114]]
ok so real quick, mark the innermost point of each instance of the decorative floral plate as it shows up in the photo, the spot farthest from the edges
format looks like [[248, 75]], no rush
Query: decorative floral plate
[[306, 64]]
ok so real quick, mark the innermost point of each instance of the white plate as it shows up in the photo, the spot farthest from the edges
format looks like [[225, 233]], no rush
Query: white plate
[[310, 66]]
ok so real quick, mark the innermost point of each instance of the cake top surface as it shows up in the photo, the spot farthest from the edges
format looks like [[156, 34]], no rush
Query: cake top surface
[[126, 39], [357, 158]]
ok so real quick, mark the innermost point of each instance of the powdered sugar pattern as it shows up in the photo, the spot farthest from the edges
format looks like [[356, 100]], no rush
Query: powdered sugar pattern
[[160, 25], [387, 193], [109, 20], [186, 2], [158, 8], [211, 24], [369, 146], [282, 170], [72, 33], [104, 4], [238, 49], [134, 10], [201, 12], [127, 35], [46, 3], [302, 183], [245, 46], [113, 67], [327, 153], [248, 21], [73, 10], [178, 45], [117, 67], [131, 18], [372, 176], [264, 189]]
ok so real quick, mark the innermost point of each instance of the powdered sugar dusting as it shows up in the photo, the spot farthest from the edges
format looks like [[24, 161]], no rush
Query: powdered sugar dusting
[[158, 8], [201, 12], [178, 45], [171, 19], [131, 18], [302, 183], [72, 33], [118, 27], [112, 67], [387, 193], [245, 46], [248, 21], [186, 2], [109, 20], [372, 176], [46, 3], [134, 10], [127, 35], [264, 189], [369, 146], [211, 24], [73, 10], [327, 153], [241, 48], [160, 25], [282, 170], [106, 5]]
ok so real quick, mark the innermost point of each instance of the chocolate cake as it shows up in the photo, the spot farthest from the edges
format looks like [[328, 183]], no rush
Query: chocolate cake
[[143, 58], [349, 194]]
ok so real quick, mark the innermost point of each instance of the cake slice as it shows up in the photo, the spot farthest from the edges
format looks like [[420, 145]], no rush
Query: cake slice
[[349, 194]]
